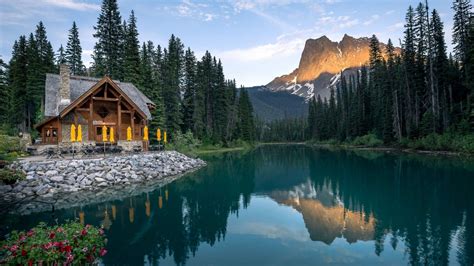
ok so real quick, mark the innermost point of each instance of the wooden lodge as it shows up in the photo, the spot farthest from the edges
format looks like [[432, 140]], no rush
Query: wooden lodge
[[92, 103]]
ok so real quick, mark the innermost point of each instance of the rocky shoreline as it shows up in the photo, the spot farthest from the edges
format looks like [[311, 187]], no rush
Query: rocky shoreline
[[68, 183]]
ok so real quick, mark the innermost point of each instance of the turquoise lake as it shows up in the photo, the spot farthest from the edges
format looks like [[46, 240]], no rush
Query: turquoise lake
[[293, 205]]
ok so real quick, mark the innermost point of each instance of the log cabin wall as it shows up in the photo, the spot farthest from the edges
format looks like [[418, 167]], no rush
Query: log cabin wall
[[104, 106]]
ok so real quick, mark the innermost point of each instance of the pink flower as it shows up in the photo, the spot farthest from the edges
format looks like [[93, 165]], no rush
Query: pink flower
[[102, 252], [88, 226], [84, 232], [69, 258], [101, 231], [48, 246], [60, 230], [13, 248], [58, 245], [52, 235], [30, 233], [23, 253], [22, 238]]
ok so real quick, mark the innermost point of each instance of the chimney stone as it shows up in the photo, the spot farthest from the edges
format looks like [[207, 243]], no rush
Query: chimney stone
[[64, 86]]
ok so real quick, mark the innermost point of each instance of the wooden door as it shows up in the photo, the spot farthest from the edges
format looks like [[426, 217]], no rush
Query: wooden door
[[51, 135]]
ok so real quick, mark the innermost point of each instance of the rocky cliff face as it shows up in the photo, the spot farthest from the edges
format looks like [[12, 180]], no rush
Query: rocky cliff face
[[320, 66]]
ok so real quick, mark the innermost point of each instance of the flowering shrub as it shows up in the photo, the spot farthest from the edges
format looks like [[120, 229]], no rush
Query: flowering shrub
[[65, 244]]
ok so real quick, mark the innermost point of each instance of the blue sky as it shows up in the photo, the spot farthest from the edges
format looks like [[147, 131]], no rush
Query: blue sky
[[257, 40]]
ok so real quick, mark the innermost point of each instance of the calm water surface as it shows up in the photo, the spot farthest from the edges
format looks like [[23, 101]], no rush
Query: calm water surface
[[293, 205]]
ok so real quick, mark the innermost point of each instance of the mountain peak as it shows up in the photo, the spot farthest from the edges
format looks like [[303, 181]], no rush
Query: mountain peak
[[322, 60]]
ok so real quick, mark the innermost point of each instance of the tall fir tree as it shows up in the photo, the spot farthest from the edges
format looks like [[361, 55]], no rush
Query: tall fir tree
[[172, 73], [74, 51], [189, 85], [246, 124], [4, 93], [462, 21], [108, 48], [17, 81], [131, 52], [60, 56]]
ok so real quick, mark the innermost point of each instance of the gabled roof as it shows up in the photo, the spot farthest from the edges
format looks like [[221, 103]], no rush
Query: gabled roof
[[80, 85]]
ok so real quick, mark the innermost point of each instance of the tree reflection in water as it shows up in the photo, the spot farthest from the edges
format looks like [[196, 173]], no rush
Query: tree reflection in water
[[424, 202]]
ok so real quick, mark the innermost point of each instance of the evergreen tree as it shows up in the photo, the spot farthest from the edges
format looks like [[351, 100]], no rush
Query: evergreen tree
[[108, 48], [60, 57], [34, 82], [17, 81], [74, 51], [146, 83], [45, 50], [172, 73], [246, 124], [4, 93], [189, 90], [462, 16], [131, 52], [440, 69], [221, 104]]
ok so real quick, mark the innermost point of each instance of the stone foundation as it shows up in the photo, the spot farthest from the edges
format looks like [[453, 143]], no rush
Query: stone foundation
[[63, 183]]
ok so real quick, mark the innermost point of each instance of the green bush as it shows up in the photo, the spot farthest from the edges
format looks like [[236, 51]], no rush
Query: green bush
[[183, 142], [444, 142], [71, 243], [10, 147], [369, 140], [10, 176]]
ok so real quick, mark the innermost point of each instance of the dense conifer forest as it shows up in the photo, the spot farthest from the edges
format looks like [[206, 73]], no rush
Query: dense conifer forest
[[191, 94], [422, 93]]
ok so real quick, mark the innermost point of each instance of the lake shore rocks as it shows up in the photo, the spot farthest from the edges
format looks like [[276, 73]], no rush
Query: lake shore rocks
[[67, 183]]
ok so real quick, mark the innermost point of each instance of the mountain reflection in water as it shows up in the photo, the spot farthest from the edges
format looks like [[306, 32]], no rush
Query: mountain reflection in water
[[420, 207]]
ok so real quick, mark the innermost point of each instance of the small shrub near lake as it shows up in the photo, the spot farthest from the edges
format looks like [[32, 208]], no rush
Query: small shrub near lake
[[369, 140], [10, 176], [71, 243], [10, 147], [444, 142], [183, 142]]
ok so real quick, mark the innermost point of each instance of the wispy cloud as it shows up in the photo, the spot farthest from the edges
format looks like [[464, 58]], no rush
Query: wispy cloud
[[17, 12], [372, 19], [263, 52], [197, 10], [72, 4]]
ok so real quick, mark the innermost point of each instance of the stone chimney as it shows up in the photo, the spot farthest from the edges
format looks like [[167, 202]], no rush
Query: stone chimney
[[64, 86]]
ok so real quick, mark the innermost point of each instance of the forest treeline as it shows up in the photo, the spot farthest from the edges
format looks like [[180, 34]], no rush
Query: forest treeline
[[191, 95], [398, 97]]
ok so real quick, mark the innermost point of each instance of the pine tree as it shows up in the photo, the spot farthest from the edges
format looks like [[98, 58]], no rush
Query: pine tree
[[45, 50], [4, 93], [17, 82], [74, 51], [156, 94], [131, 52], [172, 73], [221, 104], [189, 90], [108, 49], [34, 82], [246, 124], [440, 69], [60, 57], [203, 99], [462, 14], [146, 83], [408, 54]]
